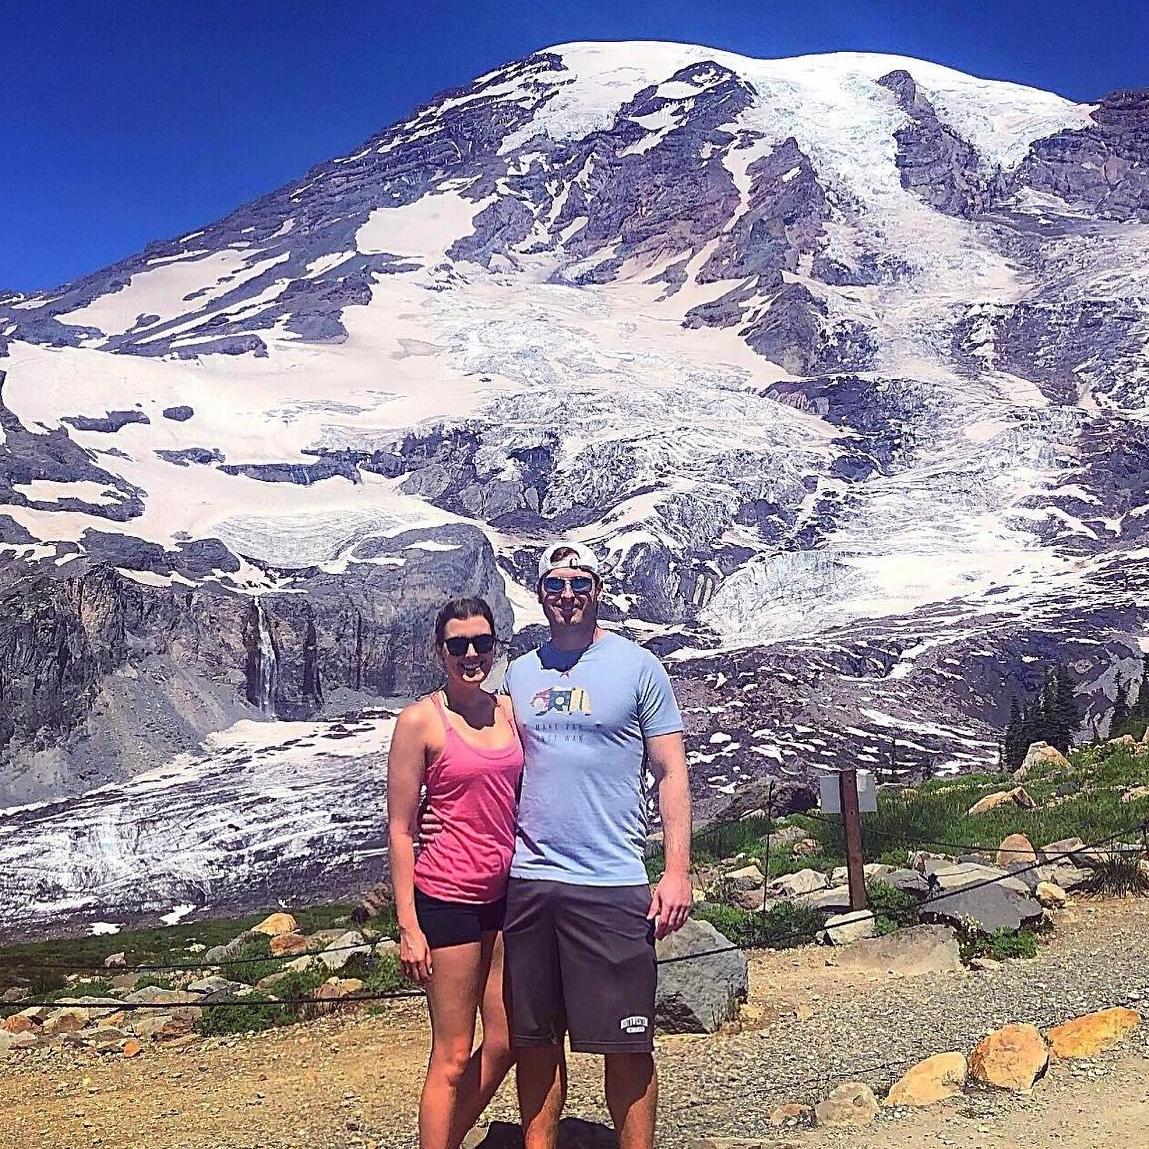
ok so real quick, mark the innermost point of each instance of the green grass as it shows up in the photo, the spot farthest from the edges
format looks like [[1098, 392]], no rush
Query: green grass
[[28, 962], [781, 927], [218, 1020], [893, 909]]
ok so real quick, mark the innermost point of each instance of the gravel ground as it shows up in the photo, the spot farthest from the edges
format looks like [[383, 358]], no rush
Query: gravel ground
[[353, 1080]]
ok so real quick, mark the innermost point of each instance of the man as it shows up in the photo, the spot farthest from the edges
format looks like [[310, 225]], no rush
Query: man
[[595, 712]]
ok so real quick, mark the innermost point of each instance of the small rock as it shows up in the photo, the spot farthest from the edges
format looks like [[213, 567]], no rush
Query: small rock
[[1052, 896], [1018, 796], [69, 1020], [1135, 793], [293, 943], [792, 1113], [132, 1047], [115, 961], [1014, 849], [1012, 1058], [747, 878], [930, 1081], [1092, 1034], [157, 995], [1040, 754], [343, 948], [849, 1104], [845, 928], [18, 1042], [791, 885], [18, 1023], [276, 924]]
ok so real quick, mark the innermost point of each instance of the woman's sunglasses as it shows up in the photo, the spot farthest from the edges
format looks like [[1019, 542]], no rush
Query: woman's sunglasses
[[580, 584], [457, 647]]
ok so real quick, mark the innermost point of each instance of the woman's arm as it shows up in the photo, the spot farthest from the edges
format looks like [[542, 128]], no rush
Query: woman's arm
[[406, 766]]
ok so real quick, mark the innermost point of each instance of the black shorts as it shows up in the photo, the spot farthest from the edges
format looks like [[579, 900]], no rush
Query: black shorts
[[580, 960], [456, 923]]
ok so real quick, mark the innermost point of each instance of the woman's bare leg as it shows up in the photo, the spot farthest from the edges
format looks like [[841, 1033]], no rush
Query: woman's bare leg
[[453, 994], [491, 1062]]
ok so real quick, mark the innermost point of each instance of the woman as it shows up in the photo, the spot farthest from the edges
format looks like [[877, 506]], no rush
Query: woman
[[461, 742]]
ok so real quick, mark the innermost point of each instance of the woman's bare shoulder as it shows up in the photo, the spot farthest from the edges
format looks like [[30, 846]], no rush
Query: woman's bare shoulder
[[417, 717]]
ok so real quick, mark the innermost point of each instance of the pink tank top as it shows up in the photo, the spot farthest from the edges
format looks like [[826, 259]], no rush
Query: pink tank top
[[474, 793]]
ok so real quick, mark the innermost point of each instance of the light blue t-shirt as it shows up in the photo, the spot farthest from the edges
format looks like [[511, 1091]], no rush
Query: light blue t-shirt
[[582, 716]]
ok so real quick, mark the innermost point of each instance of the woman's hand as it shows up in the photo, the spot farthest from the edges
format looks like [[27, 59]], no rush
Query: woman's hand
[[415, 955]]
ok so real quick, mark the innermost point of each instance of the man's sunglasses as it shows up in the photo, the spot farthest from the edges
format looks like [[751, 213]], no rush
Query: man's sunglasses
[[580, 584], [457, 646]]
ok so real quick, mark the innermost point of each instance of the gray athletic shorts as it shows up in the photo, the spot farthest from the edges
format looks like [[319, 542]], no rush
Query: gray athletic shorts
[[580, 960]]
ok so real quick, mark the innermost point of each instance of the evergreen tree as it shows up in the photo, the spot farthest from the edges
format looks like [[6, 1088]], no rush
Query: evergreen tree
[[1120, 710], [1141, 706], [1014, 752], [1065, 714]]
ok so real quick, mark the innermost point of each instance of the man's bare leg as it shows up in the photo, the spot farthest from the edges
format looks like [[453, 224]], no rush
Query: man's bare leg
[[541, 1076], [632, 1098]]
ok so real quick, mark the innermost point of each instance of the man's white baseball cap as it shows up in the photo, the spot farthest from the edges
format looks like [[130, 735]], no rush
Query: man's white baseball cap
[[575, 556]]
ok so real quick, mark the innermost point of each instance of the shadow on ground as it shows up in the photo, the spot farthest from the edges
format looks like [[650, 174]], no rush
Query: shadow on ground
[[573, 1134]]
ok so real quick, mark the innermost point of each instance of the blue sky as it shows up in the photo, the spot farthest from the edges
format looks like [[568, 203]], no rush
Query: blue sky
[[132, 120]]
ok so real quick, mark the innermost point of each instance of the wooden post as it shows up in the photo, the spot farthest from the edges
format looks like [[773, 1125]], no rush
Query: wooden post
[[852, 824]]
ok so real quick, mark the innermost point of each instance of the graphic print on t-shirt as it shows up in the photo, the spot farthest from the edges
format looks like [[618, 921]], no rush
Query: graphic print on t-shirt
[[566, 700]]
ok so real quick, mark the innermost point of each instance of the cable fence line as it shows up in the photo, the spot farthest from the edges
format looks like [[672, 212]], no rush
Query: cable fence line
[[777, 942]]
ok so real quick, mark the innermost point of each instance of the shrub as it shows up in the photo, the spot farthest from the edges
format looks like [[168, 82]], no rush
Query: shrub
[[255, 962], [1117, 875], [781, 927], [893, 909], [1000, 945], [251, 1016]]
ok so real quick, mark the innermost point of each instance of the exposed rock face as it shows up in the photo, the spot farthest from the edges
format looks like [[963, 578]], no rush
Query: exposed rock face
[[699, 996], [67, 645]]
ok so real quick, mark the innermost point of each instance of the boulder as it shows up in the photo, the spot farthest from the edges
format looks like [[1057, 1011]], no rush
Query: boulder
[[1135, 793], [284, 944], [116, 961], [17, 1042], [1122, 740], [71, 1019], [132, 1047], [960, 875], [1040, 754], [343, 948], [908, 881], [1051, 896], [164, 1026], [231, 949], [907, 953], [746, 878], [276, 924], [841, 875], [36, 1013], [216, 984], [836, 901], [106, 1039], [699, 996], [1013, 1058], [849, 1104], [18, 1023], [1014, 849], [806, 848], [1058, 851], [792, 1113], [1017, 797], [842, 929], [792, 885], [930, 1081], [754, 900], [985, 908], [157, 995], [1092, 1034]]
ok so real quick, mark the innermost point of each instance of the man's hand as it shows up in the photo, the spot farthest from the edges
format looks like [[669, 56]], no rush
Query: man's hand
[[670, 904], [429, 825]]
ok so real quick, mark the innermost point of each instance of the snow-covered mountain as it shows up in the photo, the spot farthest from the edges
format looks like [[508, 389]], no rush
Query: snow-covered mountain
[[842, 359]]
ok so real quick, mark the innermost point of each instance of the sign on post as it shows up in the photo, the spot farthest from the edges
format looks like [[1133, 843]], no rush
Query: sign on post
[[830, 794]]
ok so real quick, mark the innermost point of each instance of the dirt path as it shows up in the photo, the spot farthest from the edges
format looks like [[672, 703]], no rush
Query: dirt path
[[353, 1080]]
